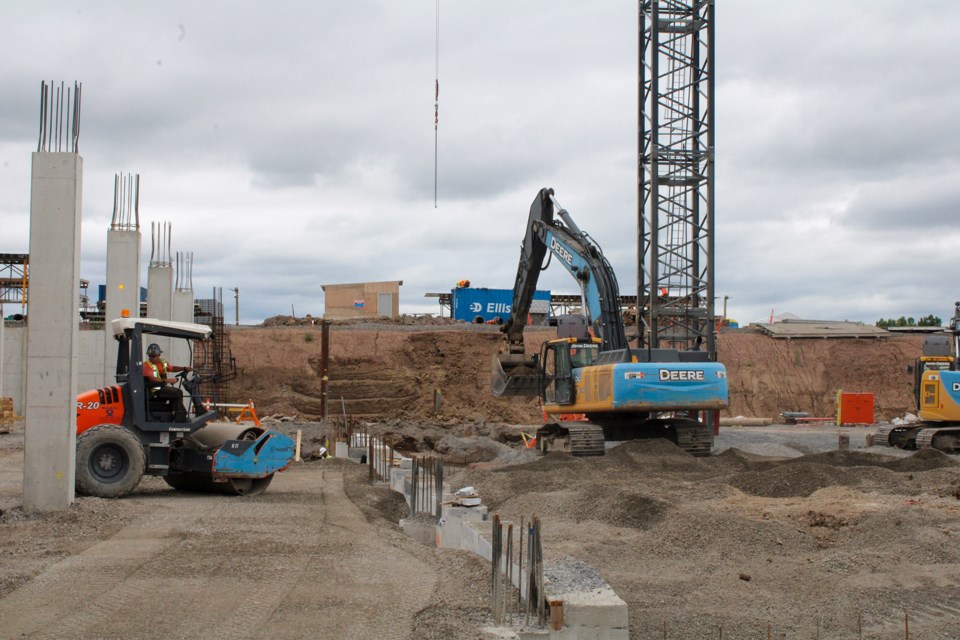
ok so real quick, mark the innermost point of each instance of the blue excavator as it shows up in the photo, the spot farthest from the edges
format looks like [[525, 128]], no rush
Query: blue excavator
[[590, 371]]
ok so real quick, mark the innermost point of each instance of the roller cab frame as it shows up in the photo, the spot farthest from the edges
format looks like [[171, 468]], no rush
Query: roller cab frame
[[124, 432], [129, 402]]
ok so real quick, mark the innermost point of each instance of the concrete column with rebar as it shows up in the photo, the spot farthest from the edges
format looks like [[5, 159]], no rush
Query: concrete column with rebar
[[53, 337], [182, 311], [122, 289], [123, 264], [160, 297]]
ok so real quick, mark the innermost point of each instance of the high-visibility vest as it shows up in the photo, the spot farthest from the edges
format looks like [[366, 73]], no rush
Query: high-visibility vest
[[157, 372]]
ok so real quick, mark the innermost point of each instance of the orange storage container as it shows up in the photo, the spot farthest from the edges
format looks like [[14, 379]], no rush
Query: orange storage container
[[854, 408]]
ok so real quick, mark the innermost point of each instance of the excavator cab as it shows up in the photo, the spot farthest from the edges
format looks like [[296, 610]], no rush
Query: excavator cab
[[522, 375], [560, 358]]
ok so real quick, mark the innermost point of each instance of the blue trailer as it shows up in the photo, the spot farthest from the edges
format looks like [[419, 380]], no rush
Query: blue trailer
[[470, 304]]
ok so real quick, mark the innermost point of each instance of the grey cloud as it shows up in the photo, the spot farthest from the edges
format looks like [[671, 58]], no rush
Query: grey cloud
[[921, 203], [293, 144]]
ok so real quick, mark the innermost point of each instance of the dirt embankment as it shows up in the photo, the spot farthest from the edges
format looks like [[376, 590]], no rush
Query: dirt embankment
[[769, 376], [397, 372]]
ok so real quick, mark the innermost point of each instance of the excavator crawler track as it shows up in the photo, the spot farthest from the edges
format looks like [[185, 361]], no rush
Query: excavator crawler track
[[586, 439], [946, 439], [695, 438], [575, 438], [881, 436], [901, 436]]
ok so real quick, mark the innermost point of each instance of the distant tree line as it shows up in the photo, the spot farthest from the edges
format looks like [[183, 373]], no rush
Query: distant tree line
[[926, 321]]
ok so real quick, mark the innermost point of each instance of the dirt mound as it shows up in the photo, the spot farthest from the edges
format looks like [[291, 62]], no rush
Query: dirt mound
[[760, 541], [471, 449], [403, 320], [290, 321], [802, 476], [792, 480], [655, 454], [625, 507], [924, 460], [736, 460]]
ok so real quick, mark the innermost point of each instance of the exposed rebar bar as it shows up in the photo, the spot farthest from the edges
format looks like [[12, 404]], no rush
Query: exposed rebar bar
[[59, 118], [160, 244], [126, 202]]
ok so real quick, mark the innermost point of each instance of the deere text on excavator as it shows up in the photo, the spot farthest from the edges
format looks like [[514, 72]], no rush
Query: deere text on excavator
[[625, 393], [124, 432]]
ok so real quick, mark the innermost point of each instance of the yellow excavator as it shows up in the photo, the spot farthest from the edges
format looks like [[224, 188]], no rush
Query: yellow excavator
[[936, 394]]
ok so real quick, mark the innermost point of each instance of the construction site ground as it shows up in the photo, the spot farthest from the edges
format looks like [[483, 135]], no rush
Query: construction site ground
[[778, 535]]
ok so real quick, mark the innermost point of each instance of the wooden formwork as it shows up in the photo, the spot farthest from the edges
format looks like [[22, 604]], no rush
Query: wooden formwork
[[7, 416]]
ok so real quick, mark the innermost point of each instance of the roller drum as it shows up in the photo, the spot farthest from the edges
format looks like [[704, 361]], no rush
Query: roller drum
[[203, 483], [215, 434]]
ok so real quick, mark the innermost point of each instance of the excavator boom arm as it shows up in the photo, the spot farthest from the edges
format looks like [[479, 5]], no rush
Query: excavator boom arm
[[514, 373], [582, 258], [532, 253]]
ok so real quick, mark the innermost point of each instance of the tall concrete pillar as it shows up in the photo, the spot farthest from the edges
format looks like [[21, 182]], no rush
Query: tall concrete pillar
[[123, 265], [160, 298], [160, 280], [53, 331], [122, 289], [183, 307], [182, 312]]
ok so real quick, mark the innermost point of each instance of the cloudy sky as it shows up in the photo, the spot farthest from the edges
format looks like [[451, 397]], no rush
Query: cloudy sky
[[290, 144]]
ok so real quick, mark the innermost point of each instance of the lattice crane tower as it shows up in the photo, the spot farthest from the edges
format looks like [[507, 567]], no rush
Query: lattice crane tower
[[675, 177]]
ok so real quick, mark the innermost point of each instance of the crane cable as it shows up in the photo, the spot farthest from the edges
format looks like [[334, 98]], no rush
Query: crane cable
[[436, 104]]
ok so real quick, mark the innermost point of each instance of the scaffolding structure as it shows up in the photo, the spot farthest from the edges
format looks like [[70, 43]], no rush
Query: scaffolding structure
[[675, 176], [14, 277], [15, 284], [214, 362]]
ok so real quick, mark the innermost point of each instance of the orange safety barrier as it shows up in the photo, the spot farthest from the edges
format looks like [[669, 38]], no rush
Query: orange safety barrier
[[529, 441], [245, 411], [249, 413]]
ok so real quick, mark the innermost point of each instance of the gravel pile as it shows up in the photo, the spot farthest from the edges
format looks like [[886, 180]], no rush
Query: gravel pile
[[569, 574], [806, 543]]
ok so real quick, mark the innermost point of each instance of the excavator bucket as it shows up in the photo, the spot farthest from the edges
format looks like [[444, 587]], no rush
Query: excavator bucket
[[514, 375]]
